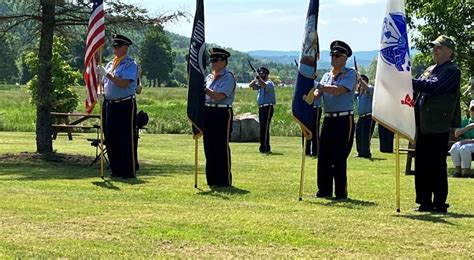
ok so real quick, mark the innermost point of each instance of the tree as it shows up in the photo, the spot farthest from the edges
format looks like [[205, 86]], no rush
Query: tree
[[155, 56], [430, 18], [372, 70], [8, 69], [60, 16], [63, 97]]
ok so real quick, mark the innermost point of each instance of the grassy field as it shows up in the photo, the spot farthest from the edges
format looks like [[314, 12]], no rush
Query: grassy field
[[166, 108], [61, 208]]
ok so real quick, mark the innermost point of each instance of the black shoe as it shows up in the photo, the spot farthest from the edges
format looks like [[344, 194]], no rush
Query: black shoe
[[424, 208], [113, 175], [441, 209], [341, 197], [457, 175], [323, 195]]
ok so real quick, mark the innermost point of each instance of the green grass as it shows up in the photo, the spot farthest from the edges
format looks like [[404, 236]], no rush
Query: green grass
[[64, 210], [166, 108]]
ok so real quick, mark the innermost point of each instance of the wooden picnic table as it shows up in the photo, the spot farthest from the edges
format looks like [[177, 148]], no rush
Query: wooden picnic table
[[71, 122]]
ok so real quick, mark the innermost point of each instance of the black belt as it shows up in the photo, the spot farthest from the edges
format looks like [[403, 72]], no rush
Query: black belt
[[365, 114], [265, 105], [217, 105], [336, 114], [121, 99]]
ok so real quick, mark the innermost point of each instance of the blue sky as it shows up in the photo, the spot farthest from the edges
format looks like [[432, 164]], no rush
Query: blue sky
[[247, 25]]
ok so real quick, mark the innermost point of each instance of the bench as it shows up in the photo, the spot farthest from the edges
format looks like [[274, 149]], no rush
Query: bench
[[411, 154], [71, 121]]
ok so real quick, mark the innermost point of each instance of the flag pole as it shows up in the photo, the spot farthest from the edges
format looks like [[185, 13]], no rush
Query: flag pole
[[196, 162], [101, 90], [302, 170], [397, 172]]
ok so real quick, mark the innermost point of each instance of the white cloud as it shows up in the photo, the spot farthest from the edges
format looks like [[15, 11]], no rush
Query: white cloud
[[360, 20], [357, 2]]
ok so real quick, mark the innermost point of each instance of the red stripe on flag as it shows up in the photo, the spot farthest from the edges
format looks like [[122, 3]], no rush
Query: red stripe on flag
[[94, 41]]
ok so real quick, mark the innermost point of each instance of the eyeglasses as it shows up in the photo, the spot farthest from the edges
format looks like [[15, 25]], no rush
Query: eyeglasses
[[336, 55]]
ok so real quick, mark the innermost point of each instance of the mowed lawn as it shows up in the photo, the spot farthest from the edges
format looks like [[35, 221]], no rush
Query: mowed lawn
[[61, 208]]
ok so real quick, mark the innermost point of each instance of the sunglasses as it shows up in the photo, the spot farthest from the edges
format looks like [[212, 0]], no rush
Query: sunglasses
[[336, 55], [215, 59]]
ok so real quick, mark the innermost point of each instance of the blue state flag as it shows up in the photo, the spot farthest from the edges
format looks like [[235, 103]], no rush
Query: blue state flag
[[302, 111], [197, 72]]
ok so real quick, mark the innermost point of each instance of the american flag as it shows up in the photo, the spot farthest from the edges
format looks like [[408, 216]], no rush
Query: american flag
[[95, 40]]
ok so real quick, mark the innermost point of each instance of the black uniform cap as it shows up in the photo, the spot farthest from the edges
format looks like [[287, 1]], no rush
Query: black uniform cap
[[218, 53], [263, 70], [118, 39], [365, 78], [340, 47]]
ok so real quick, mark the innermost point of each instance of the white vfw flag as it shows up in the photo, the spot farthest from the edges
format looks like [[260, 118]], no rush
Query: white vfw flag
[[393, 104]]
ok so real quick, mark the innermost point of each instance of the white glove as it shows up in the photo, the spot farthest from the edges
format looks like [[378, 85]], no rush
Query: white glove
[[101, 71]]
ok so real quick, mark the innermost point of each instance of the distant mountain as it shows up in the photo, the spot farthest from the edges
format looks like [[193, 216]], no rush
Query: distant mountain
[[285, 57]]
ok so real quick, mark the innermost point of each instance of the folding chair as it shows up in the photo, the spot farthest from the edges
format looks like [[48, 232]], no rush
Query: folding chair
[[98, 152]]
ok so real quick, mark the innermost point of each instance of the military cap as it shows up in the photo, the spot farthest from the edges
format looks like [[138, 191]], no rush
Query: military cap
[[340, 47], [118, 39], [218, 53], [471, 105], [263, 70], [443, 40], [365, 78]]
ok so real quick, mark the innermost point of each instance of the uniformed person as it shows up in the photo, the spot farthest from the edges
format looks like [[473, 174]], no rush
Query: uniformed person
[[365, 125], [120, 82], [265, 100], [337, 135], [386, 139], [220, 91]]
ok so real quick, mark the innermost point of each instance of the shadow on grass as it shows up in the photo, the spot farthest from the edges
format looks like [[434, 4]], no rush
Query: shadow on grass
[[376, 159], [107, 184], [31, 166], [222, 192], [273, 154], [345, 203], [436, 217]]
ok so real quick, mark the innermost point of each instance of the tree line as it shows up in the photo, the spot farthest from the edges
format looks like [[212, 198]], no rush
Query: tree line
[[32, 26]]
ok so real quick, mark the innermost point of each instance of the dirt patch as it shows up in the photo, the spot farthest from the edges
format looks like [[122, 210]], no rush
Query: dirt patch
[[48, 157]]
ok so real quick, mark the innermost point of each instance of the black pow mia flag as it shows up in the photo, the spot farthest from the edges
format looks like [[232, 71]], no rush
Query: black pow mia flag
[[197, 72]]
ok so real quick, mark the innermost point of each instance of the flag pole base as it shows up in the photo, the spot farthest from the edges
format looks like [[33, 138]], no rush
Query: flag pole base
[[195, 186], [300, 199], [398, 210]]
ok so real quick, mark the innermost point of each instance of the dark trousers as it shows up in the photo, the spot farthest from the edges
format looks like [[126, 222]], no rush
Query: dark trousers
[[216, 136], [312, 146], [386, 140], [337, 137], [265, 115], [120, 137], [431, 179], [364, 130], [137, 136]]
